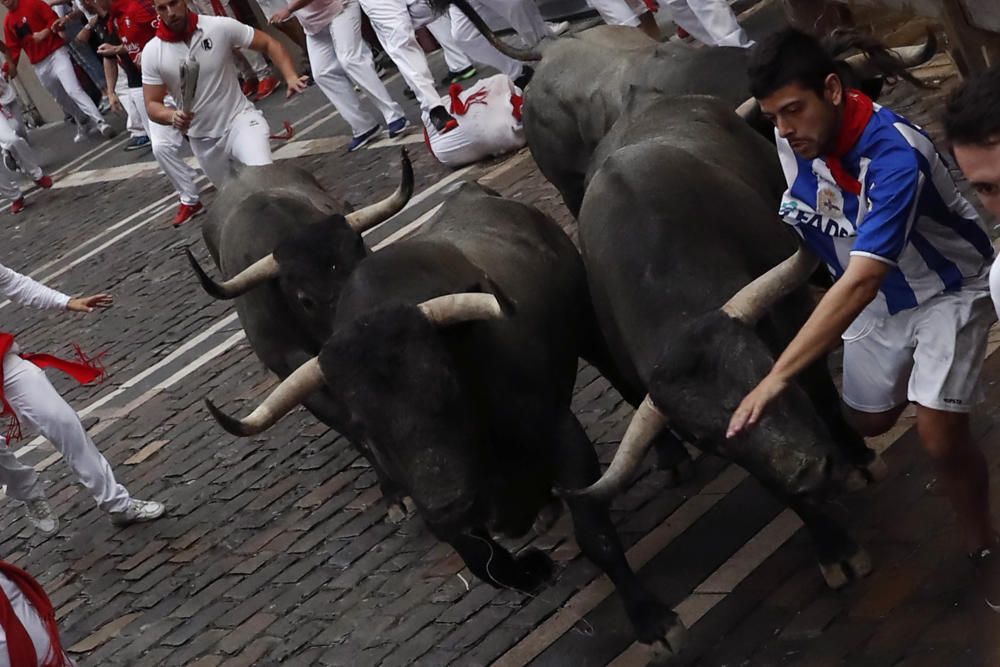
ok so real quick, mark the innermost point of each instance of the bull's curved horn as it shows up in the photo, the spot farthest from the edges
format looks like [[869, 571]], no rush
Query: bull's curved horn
[[746, 109], [457, 308], [909, 56], [259, 272], [646, 424], [369, 216], [294, 389], [753, 301], [524, 55]]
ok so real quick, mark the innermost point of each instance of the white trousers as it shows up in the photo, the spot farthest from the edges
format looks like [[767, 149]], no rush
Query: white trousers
[[167, 142], [472, 41], [454, 56], [247, 142], [56, 74], [133, 117], [711, 22], [36, 403], [340, 58], [11, 139], [619, 12]]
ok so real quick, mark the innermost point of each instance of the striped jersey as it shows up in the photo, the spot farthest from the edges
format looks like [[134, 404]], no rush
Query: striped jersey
[[909, 214]]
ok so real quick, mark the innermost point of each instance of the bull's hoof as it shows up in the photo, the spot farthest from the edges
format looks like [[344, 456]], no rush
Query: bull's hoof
[[548, 517], [839, 573], [534, 568], [663, 652], [400, 510]]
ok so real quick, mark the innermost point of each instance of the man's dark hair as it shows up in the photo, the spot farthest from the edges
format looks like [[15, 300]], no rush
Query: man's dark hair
[[789, 56], [972, 115], [792, 56]]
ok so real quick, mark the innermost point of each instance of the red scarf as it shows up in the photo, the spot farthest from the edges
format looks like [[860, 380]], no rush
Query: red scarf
[[858, 110], [168, 35], [83, 371], [20, 648]]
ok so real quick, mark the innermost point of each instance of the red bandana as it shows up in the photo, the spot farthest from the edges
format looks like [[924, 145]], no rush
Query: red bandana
[[20, 648], [84, 371], [168, 35], [858, 110]]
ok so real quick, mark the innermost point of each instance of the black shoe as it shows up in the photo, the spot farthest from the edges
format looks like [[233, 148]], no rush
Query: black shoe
[[523, 80], [409, 94], [442, 121]]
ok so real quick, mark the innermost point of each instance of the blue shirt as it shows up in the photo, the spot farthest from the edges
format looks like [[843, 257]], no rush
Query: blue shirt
[[909, 214]]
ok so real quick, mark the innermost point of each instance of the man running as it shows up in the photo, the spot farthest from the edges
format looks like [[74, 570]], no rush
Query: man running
[[29, 397], [33, 26], [870, 195], [126, 27], [17, 154], [222, 125]]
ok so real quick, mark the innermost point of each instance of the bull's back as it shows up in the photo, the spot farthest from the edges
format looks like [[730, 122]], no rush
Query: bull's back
[[668, 233]]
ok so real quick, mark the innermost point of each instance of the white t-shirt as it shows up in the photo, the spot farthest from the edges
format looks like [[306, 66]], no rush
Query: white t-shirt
[[218, 99], [317, 15]]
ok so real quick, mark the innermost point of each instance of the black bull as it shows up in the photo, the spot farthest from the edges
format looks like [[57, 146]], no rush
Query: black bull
[[454, 352], [679, 217]]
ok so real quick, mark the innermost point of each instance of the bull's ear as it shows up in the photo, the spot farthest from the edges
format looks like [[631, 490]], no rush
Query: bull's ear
[[487, 286]]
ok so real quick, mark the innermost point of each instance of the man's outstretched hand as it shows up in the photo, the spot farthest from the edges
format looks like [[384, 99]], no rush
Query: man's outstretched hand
[[753, 406], [87, 304]]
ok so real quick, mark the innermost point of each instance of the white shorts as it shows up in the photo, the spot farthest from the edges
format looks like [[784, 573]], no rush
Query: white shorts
[[930, 355]]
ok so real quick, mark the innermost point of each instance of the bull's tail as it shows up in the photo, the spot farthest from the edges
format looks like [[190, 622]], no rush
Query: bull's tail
[[524, 55]]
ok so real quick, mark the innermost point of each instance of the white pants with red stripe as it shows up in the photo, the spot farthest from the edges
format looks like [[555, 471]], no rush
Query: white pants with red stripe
[[247, 142], [711, 22], [340, 58], [55, 71], [11, 140], [167, 142], [37, 404]]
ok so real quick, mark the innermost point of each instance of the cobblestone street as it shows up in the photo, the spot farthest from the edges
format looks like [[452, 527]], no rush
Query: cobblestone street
[[276, 549]]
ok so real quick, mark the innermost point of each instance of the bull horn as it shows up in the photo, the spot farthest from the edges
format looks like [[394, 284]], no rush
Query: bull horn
[[259, 272], [646, 424], [909, 56], [379, 212], [524, 55], [457, 308], [746, 109], [294, 389], [753, 301]]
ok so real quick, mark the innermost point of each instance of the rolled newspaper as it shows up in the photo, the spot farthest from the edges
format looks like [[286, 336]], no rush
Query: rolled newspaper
[[189, 84]]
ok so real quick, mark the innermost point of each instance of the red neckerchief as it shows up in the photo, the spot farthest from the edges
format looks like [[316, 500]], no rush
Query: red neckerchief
[[858, 111], [83, 371], [168, 35], [20, 648]]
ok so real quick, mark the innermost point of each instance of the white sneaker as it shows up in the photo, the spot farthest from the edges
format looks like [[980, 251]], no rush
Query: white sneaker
[[138, 511], [558, 28], [81, 134], [106, 130], [39, 514]]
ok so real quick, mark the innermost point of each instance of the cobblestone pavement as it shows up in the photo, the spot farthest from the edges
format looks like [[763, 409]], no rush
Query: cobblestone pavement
[[276, 549]]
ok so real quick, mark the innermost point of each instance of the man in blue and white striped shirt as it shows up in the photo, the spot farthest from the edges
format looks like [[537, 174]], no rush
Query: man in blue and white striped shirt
[[871, 196]]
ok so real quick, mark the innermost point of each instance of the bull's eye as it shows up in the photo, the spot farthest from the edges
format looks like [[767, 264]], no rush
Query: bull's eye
[[307, 301]]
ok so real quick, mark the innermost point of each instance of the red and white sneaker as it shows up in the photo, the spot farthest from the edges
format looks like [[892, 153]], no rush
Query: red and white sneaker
[[249, 89], [266, 86], [44, 182], [187, 211], [17, 205]]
